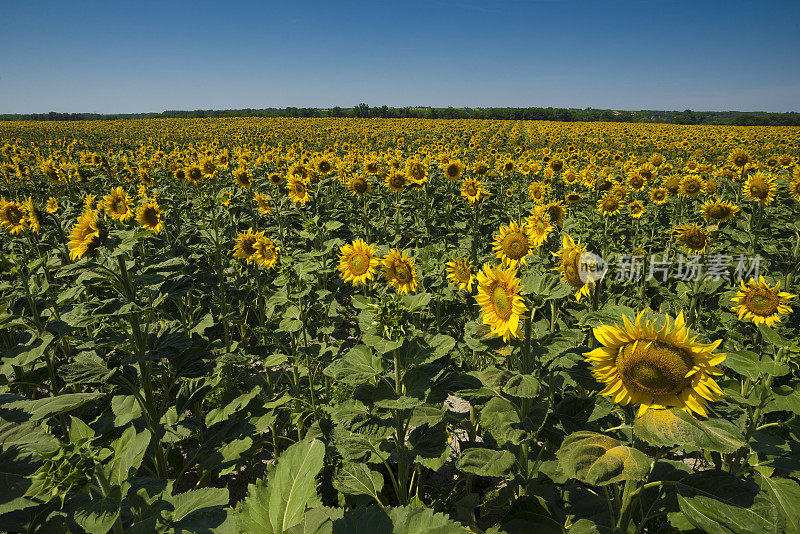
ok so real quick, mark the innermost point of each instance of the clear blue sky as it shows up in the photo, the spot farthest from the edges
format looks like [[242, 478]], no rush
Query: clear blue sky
[[139, 56]]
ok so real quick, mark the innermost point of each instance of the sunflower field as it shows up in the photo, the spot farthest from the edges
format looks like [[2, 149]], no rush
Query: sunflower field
[[277, 325]]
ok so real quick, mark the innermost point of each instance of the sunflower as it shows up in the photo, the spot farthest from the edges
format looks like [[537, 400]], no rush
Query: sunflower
[[656, 368], [242, 178], [117, 205], [33, 215], [275, 178], [399, 271], [245, 245], [371, 166], [569, 259], [359, 185], [85, 235], [760, 303], [396, 181], [711, 187], [459, 273], [555, 212], [692, 237], [500, 300], [149, 216], [357, 262], [513, 243], [454, 170], [323, 166], [472, 190], [760, 187], [415, 170], [739, 158], [573, 198], [639, 177], [692, 186], [537, 192], [719, 210], [52, 205], [13, 217], [636, 209], [179, 174], [539, 226], [298, 189], [609, 205], [194, 174], [480, 168], [794, 189], [659, 195], [266, 253], [262, 201]]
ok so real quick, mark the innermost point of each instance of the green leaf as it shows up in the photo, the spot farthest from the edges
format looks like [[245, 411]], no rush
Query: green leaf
[[22, 355], [486, 462], [608, 315], [785, 493], [744, 362], [524, 386], [279, 503], [199, 499], [416, 301], [545, 287], [129, 450], [222, 414], [126, 408], [676, 427], [49, 406], [359, 479], [599, 460], [97, 516], [357, 366]]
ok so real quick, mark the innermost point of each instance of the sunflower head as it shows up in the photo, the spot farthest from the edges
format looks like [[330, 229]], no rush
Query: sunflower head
[[659, 195], [245, 245], [13, 217], [453, 170], [513, 243], [358, 262], [242, 178], [86, 235], [573, 198], [500, 300], [52, 205], [472, 190], [460, 274], [400, 271], [761, 303], [149, 216], [539, 226], [739, 158], [656, 368], [262, 201], [298, 190], [719, 210], [610, 204], [266, 253], [636, 209], [117, 205], [692, 237], [569, 266], [359, 185], [396, 181], [760, 187], [480, 168], [692, 186]]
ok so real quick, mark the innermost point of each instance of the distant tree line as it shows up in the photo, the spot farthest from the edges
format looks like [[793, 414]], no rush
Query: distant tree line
[[362, 110]]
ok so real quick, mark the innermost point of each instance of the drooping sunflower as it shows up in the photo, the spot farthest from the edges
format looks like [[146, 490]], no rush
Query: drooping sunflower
[[12, 216], [794, 189], [459, 273], [358, 262], [760, 187], [149, 216], [761, 303], [359, 185], [396, 181], [555, 212], [659, 195], [692, 237], [711, 187], [400, 271], [262, 201], [656, 368], [636, 209], [568, 265], [453, 170], [572, 198], [245, 249], [473, 190], [298, 189], [33, 215], [266, 254], [609, 205], [513, 243], [500, 300], [718, 210], [52, 205], [85, 235], [117, 205]]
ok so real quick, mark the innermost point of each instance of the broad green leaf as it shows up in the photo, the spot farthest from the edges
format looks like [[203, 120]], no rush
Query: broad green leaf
[[785, 493], [359, 479], [126, 408], [598, 460], [129, 450], [279, 503], [98, 515], [486, 462], [199, 499], [676, 427], [49, 406], [525, 386], [357, 366]]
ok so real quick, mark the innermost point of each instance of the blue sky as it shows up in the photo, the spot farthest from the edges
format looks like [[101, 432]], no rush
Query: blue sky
[[139, 56]]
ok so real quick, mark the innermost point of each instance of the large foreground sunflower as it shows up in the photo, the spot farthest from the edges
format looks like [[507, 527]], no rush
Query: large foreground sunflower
[[357, 262], [400, 271], [656, 368], [500, 300], [760, 303]]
